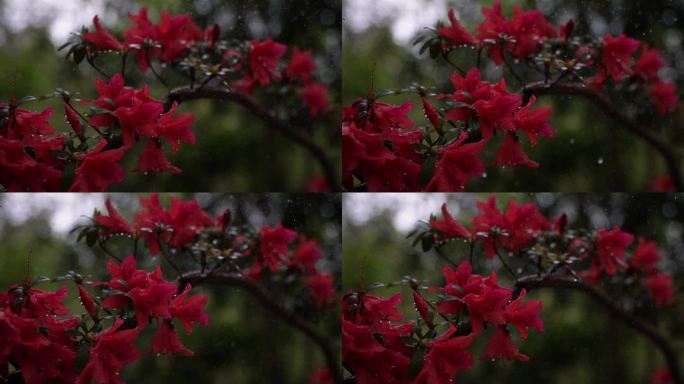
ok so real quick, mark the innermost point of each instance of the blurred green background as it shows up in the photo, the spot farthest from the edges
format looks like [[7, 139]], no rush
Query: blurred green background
[[243, 342], [234, 151], [588, 152], [581, 342]]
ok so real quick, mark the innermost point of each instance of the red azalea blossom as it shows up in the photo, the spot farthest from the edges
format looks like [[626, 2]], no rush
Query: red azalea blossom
[[611, 249], [153, 159], [662, 184], [456, 34], [315, 97], [649, 63], [112, 350], [321, 376], [301, 65], [645, 256], [661, 376], [501, 347], [497, 113], [189, 310], [98, 170], [274, 245], [488, 305], [431, 114], [664, 96], [322, 288], [101, 39], [166, 341], [524, 315], [114, 223], [263, 60], [422, 308], [659, 286], [617, 55], [534, 123], [73, 120], [457, 164], [447, 355], [511, 153], [449, 227]]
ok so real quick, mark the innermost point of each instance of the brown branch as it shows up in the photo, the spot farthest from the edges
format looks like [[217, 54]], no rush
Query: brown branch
[[648, 331], [187, 93], [624, 121], [268, 300]]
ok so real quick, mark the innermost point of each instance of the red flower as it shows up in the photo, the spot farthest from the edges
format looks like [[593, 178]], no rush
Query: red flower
[[617, 55], [101, 39], [98, 169], [274, 245], [501, 346], [176, 128], [488, 305], [73, 120], [316, 99], [458, 163], [664, 96], [321, 376], [114, 223], [306, 255], [660, 287], [524, 315], [301, 65], [263, 60], [375, 309], [175, 34], [166, 341], [534, 123], [449, 227], [611, 249], [497, 113], [511, 153], [649, 63], [87, 301], [446, 357], [422, 308], [456, 34], [432, 115], [645, 256], [459, 282], [662, 184], [322, 288], [661, 376], [138, 118], [153, 159], [468, 90], [566, 29], [189, 310], [318, 183], [112, 350], [152, 300]]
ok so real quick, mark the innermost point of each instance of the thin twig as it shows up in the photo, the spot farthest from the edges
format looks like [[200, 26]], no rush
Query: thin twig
[[625, 122], [564, 282], [445, 257], [496, 250], [271, 303], [185, 93]]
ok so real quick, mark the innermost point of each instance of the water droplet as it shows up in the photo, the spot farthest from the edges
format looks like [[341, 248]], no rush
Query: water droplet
[[600, 161]]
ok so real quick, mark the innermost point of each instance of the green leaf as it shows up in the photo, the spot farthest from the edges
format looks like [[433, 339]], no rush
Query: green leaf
[[385, 92], [427, 243], [435, 49], [91, 237], [41, 279], [428, 169], [416, 363], [79, 55]]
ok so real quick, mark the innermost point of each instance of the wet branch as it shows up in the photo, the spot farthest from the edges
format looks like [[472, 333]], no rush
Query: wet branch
[[268, 300], [625, 122], [187, 93], [534, 282]]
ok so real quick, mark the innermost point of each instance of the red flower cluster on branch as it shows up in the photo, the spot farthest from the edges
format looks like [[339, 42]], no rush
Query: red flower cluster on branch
[[379, 345], [383, 149]]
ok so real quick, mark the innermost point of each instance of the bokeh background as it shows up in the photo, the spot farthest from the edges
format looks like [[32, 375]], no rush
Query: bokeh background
[[588, 153], [243, 342], [581, 342], [234, 151]]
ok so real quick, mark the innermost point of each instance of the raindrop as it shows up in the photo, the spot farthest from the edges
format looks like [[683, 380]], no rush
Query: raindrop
[[600, 161]]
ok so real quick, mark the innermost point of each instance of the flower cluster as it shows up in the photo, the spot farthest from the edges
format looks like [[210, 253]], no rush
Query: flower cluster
[[177, 38], [41, 339], [33, 157], [379, 345], [383, 137], [383, 149], [185, 226]]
